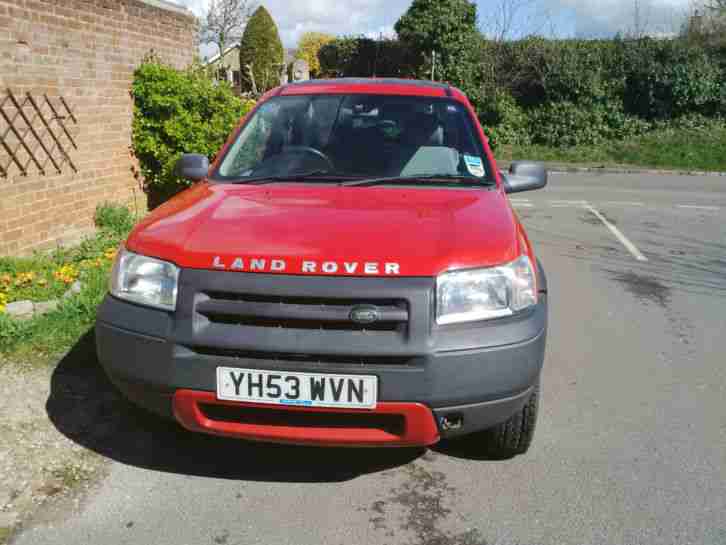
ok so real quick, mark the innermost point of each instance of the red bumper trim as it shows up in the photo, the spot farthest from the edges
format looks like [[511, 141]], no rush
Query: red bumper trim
[[419, 425]]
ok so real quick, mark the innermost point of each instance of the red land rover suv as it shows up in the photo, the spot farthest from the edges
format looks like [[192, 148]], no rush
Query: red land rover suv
[[349, 271]]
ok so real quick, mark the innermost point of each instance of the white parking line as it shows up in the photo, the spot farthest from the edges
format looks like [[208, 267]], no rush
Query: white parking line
[[695, 207], [567, 204], [615, 231], [624, 203]]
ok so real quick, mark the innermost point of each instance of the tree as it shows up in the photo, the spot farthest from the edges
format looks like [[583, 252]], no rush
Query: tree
[[514, 19], [706, 25], [309, 47], [641, 19], [261, 54], [716, 7], [445, 31], [223, 22]]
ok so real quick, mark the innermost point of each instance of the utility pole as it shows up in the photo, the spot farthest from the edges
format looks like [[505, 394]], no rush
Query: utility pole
[[433, 66]]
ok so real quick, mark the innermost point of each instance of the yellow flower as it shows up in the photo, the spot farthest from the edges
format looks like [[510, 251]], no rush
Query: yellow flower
[[3, 302], [110, 253], [24, 279], [66, 274]]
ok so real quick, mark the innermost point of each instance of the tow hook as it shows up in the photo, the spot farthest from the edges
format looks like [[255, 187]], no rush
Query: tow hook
[[451, 422]]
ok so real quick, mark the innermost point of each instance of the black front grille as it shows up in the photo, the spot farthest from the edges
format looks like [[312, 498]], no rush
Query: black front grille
[[242, 313], [327, 314], [390, 423], [302, 359]]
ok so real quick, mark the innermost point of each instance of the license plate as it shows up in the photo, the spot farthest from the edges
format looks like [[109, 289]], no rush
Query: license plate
[[303, 389]]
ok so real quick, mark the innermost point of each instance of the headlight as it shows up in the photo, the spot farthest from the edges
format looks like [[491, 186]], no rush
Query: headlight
[[144, 280], [482, 294]]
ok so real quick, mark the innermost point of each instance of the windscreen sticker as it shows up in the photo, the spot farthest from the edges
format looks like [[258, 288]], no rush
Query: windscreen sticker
[[474, 165]]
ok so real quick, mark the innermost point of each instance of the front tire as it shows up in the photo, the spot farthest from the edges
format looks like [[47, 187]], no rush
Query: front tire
[[514, 436]]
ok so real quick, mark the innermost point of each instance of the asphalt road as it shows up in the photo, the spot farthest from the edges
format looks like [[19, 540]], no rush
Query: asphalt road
[[630, 446]]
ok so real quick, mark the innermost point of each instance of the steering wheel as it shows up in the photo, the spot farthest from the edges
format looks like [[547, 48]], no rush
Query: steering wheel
[[312, 151]]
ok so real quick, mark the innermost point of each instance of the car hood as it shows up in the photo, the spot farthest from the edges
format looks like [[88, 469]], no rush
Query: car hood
[[322, 229]]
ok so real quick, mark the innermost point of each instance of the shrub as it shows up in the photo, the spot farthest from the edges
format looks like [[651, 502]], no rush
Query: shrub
[[671, 78], [580, 71], [262, 49], [504, 120], [564, 124], [178, 112], [537, 71]]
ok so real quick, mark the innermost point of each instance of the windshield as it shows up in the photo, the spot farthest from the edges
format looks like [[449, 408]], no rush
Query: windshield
[[357, 137]]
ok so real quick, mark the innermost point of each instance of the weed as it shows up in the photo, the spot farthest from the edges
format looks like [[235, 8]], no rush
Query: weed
[[113, 218], [72, 474], [47, 276]]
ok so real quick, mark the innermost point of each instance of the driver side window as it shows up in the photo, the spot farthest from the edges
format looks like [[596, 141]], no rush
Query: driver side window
[[250, 147]]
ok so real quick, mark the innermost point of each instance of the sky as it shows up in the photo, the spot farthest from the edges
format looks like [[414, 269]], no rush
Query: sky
[[562, 18]]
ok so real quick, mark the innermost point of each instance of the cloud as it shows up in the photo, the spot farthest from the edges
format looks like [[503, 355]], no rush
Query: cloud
[[607, 17], [336, 17], [591, 18]]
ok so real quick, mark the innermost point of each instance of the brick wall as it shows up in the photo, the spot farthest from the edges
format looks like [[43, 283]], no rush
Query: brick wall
[[84, 51]]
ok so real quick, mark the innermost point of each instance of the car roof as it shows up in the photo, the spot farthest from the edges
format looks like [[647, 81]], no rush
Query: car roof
[[373, 86]]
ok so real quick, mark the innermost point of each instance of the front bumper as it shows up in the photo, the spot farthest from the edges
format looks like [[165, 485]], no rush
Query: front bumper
[[476, 375], [416, 427]]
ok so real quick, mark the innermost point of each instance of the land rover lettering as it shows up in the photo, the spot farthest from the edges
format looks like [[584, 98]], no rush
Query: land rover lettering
[[352, 268]]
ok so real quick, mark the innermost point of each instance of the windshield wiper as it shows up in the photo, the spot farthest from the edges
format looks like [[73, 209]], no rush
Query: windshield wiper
[[261, 180], [413, 179]]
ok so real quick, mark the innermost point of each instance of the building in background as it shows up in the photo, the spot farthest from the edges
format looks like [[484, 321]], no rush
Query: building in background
[[225, 66]]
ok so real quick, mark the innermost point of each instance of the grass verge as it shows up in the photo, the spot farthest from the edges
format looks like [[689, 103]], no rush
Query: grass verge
[[701, 149], [48, 276]]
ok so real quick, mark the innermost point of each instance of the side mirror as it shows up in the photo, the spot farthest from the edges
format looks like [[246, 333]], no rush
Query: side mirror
[[524, 176], [192, 166]]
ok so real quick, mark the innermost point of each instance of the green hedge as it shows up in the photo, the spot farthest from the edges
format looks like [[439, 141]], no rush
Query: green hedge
[[364, 57], [670, 78], [581, 92], [176, 112], [557, 92]]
